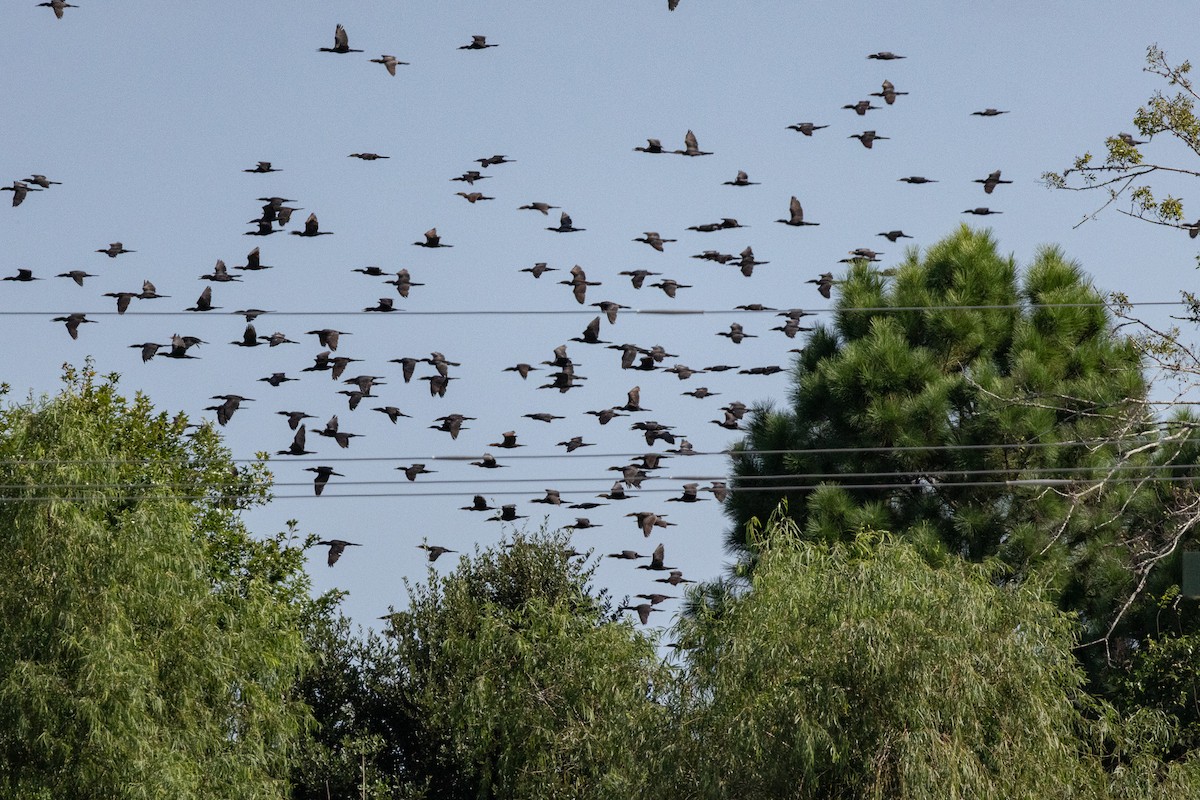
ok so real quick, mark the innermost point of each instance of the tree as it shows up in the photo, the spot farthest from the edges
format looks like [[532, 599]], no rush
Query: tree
[[150, 645], [991, 419], [856, 669], [1125, 172], [522, 682]]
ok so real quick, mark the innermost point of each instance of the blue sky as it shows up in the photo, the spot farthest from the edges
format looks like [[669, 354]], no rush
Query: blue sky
[[148, 113]]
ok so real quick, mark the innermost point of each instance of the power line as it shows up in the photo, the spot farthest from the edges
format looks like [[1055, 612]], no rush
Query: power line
[[399, 313]]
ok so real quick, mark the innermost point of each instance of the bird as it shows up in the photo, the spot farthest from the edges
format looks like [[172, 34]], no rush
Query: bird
[[888, 93], [298, 441], [735, 333], [277, 378], [328, 337], [691, 147], [982, 211], [1128, 139], [220, 274], [796, 215], [336, 548], [725, 224], [579, 284], [488, 461], [403, 283], [610, 309], [115, 249], [57, 6], [42, 180], [988, 112], [675, 578], [591, 334], [893, 236], [473, 197], [806, 128], [574, 443], [451, 424], [521, 369], [730, 423], [862, 107], [341, 43], [391, 412], [478, 43], [643, 611], [508, 513], [322, 477], [262, 167], [249, 336], [413, 470], [294, 418], [367, 156], [538, 269], [479, 503], [770, 370], [434, 552], [719, 489], [253, 262], [385, 304], [552, 498], [742, 179], [915, 180], [583, 523], [542, 207], [389, 62], [493, 160], [605, 415], [23, 275], [432, 240], [638, 276], [653, 146], [670, 286], [824, 283], [311, 228], [565, 225], [617, 492], [181, 344], [655, 598], [76, 275], [543, 416], [868, 138], [627, 555], [700, 393], [885, 55], [73, 321], [225, 411], [991, 181], [265, 228], [653, 239], [471, 176], [508, 441]]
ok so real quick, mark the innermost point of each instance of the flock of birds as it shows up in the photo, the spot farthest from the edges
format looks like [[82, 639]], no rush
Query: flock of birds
[[561, 369]]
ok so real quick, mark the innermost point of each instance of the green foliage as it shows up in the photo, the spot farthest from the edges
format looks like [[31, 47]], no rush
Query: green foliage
[[150, 646], [855, 669], [1125, 171], [991, 418]]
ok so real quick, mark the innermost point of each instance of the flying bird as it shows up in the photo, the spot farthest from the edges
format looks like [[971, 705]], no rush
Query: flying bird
[[889, 93], [389, 62], [988, 112], [115, 249], [796, 215], [862, 107], [478, 43], [806, 128], [691, 147], [432, 240], [57, 7], [322, 477], [262, 167], [336, 548], [868, 138], [742, 179], [311, 228], [991, 181], [565, 225], [653, 239], [885, 55], [341, 43]]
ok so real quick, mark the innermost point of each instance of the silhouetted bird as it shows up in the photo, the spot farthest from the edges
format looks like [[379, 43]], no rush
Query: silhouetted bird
[[115, 249], [542, 207], [991, 181], [57, 6], [892, 236], [676, 578], [889, 93], [652, 146], [471, 176], [311, 228], [574, 443], [76, 275], [579, 284], [771, 370], [806, 128], [565, 225], [42, 181], [701, 393], [508, 441], [508, 513], [691, 147], [494, 160], [367, 156], [384, 305], [653, 239], [885, 55], [670, 286], [735, 333], [294, 418], [742, 179], [488, 461], [915, 180], [543, 416], [341, 43], [988, 112], [478, 43], [73, 321], [413, 470], [478, 504], [1129, 140], [862, 107], [434, 552], [262, 167], [336, 548], [643, 611], [432, 240], [277, 378], [451, 424], [824, 283], [26, 275], [389, 62], [473, 197], [796, 215], [868, 138], [322, 477], [638, 276], [982, 212], [328, 337]]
